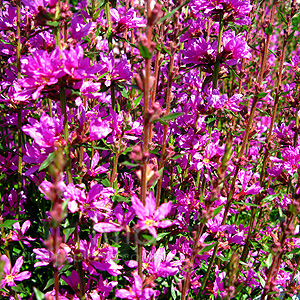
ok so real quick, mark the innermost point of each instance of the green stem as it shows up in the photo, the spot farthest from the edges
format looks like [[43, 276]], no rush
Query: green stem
[[217, 64], [113, 96], [108, 19], [19, 110], [63, 104]]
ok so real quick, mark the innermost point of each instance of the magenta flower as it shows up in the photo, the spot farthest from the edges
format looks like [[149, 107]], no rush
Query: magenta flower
[[75, 65], [13, 274], [114, 70], [47, 132], [234, 48], [136, 291], [150, 217], [42, 69], [130, 20], [199, 52]]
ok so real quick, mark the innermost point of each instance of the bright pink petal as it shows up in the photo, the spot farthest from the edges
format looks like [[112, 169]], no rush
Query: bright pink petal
[[7, 265], [22, 276], [17, 266]]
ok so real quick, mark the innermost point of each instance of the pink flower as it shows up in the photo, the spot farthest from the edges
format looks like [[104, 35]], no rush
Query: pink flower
[[136, 291], [13, 274], [150, 217]]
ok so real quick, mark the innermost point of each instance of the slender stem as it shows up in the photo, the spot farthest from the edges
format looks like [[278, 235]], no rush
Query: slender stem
[[108, 19], [217, 63], [63, 104], [19, 110], [192, 260], [166, 127], [146, 132], [114, 171], [113, 96]]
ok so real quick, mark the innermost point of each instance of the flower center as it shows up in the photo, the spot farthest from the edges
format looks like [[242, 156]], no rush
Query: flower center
[[150, 222], [9, 278]]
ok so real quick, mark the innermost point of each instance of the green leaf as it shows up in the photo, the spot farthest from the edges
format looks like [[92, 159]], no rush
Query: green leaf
[[38, 294], [291, 36], [269, 29], [68, 232], [8, 223], [137, 101], [296, 20], [163, 120], [144, 51], [261, 95], [105, 182], [270, 197], [49, 283], [47, 161], [222, 258], [123, 91], [19, 289], [52, 23], [170, 14], [282, 17], [269, 260], [262, 281], [218, 209], [207, 248]]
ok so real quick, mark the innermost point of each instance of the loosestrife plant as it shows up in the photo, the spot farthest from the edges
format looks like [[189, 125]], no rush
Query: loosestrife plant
[[150, 149]]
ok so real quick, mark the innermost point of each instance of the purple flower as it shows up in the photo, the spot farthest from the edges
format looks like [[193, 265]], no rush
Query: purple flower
[[122, 219], [113, 70], [127, 21], [234, 48], [79, 28], [47, 132], [234, 10], [18, 233], [218, 101], [150, 217], [75, 65], [199, 52], [13, 274], [42, 69], [136, 291]]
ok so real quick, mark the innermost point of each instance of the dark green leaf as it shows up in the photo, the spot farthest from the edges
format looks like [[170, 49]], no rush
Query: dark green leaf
[[38, 294], [144, 51], [49, 283], [207, 248], [47, 161], [262, 95], [8, 223], [269, 29], [282, 17], [218, 209]]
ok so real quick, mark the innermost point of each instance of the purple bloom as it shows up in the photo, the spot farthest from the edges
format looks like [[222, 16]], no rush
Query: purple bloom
[[127, 21], [150, 217], [199, 52], [13, 274], [218, 101], [136, 291], [234, 48], [116, 71], [75, 65], [42, 69], [47, 132], [234, 10]]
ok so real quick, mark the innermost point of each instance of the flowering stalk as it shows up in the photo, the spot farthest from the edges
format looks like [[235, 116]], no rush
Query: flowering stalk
[[108, 18], [191, 263], [166, 126], [217, 64], [19, 109]]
